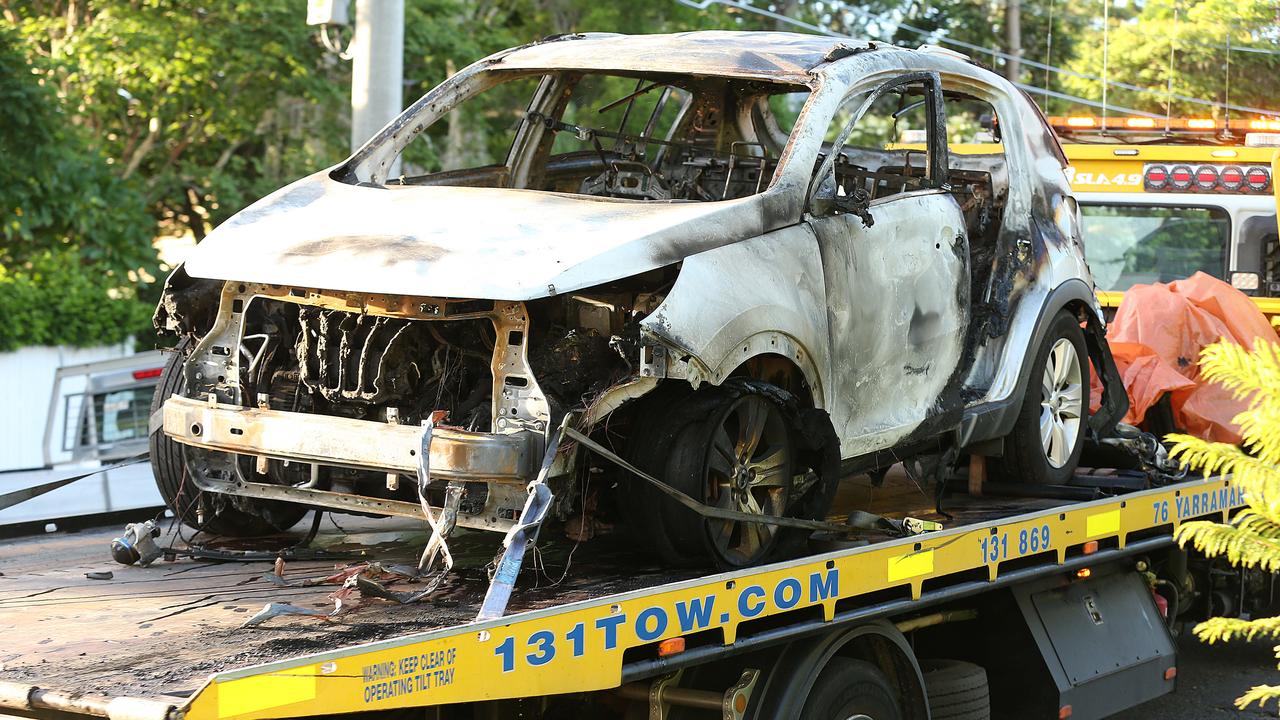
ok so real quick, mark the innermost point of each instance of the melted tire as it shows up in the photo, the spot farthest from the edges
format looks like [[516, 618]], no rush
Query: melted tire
[[222, 514], [639, 505], [1024, 458]]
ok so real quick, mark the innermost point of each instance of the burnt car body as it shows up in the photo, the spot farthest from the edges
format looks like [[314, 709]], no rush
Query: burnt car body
[[755, 302]]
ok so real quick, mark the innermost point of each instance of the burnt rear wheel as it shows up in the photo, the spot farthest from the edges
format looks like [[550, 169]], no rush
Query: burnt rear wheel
[[208, 512], [1047, 438]]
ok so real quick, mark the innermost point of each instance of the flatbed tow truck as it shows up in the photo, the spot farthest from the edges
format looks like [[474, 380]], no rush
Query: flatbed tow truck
[[1063, 606]]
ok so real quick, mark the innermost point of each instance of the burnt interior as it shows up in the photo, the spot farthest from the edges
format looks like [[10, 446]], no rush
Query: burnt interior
[[678, 138]]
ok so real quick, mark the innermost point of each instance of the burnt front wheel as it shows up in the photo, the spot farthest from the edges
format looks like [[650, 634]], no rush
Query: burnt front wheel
[[748, 467], [737, 453], [205, 511], [1045, 443]]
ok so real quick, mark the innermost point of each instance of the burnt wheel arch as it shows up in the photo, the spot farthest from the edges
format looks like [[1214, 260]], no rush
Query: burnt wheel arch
[[995, 419]]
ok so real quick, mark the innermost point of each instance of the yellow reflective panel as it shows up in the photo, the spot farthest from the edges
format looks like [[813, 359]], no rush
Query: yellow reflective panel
[[578, 647], [1105, 175]]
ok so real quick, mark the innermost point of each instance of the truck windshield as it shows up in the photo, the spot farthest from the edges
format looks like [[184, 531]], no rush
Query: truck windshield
[[1131, 244]]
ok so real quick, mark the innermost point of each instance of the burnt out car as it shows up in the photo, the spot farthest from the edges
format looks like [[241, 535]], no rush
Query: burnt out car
[[736, 264]]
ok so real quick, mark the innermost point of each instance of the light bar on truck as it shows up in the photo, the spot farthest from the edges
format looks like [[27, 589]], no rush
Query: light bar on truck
[[1206, 178], [1231, 178], [1075, 123]]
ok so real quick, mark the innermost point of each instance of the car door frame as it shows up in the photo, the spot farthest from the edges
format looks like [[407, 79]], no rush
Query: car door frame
[[938, 414]]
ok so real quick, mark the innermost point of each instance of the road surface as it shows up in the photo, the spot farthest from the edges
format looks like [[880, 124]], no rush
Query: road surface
[[1210, 678]]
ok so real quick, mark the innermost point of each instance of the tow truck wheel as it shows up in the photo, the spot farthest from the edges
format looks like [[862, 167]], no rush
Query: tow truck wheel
[[221, 514], [848, 689], [1045, 444]]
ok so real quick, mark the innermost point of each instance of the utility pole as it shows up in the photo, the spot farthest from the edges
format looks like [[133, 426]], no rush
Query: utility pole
[[377, 69], [1013, 39]]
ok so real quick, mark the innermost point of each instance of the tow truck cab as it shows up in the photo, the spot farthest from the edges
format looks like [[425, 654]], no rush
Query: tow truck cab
[[1160, 201]]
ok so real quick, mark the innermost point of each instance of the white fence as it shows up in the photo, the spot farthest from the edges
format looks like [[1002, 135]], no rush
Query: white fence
[[26, 380]]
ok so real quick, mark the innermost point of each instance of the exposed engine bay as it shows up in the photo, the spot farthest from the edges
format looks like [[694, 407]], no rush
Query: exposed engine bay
[[473, 368]]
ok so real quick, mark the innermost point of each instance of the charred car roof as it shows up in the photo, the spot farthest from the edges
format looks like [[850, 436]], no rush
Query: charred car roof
[[777, 56]]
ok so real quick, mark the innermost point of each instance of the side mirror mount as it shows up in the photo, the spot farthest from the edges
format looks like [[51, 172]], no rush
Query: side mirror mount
[[827, 201], [823, 202]]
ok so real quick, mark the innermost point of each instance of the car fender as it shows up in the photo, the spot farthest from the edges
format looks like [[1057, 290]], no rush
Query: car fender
[[764, 295]]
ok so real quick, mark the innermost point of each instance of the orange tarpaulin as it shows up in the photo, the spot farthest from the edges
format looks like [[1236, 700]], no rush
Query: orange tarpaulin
[[1156, 338]]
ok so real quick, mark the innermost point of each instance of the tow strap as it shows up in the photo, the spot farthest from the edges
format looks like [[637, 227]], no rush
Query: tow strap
[[858, 520], [9, 499]]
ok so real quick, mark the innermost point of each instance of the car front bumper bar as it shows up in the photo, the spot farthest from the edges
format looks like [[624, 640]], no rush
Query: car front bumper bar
[[456, 455]]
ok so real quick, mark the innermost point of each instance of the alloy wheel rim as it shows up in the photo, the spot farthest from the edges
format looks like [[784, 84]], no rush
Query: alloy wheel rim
[[1061, 402], [748, 470]]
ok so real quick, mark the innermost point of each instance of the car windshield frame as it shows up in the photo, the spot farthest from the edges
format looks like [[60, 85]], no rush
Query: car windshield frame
[[368, 165]]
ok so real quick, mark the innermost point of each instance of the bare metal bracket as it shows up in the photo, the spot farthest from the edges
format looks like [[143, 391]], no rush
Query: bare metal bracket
[[442, 526], [525, 532]]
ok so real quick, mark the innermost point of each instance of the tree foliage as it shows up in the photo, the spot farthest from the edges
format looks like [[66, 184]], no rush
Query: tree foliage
[[72, 235], [1198, 33], [1252, 538]]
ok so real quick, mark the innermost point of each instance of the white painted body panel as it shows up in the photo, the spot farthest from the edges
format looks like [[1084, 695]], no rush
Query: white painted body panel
[[458, 242], [897, 327]]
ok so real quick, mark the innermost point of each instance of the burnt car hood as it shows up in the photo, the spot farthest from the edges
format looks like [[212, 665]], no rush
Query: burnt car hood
[[459, 242]]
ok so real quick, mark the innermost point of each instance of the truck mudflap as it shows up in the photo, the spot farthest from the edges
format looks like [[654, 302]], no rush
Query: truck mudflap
[[579, 647]]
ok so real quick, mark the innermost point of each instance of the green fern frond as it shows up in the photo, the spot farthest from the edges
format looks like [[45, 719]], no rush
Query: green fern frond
[[1252, 538], [1241, 548], [1226, 629], [1259, 480], [1242, 371], [1259, 694], [1264, 526], [1260, 429]]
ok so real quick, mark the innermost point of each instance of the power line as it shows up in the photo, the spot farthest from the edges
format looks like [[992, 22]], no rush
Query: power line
[[942, 39]]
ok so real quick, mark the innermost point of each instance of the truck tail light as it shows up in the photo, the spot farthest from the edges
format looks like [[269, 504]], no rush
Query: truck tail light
[[671, 646], [1181, 177], [147, 374], [1207, 177], [1157, 177], [1231, 178], [1258, 178]]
